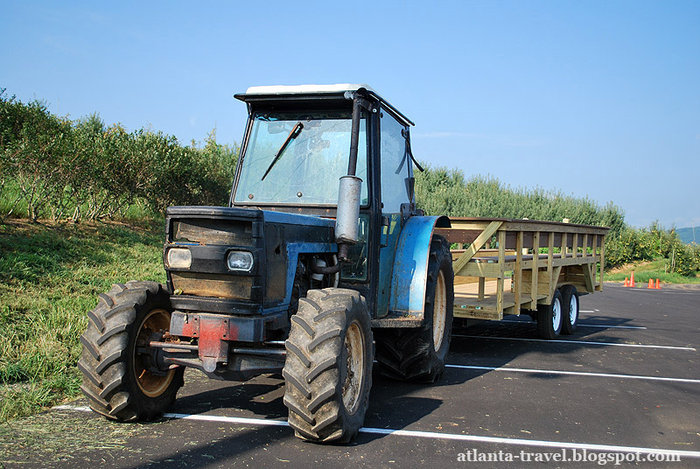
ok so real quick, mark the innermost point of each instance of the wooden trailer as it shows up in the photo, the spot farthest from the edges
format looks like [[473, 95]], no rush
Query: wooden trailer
[[505, 266]]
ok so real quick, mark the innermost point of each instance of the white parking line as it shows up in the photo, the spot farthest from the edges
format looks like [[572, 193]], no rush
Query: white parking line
[[573, 373], [585, 342], [580, 324], [432, 435]]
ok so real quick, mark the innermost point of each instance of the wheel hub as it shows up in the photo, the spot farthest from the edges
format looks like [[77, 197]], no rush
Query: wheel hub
[[354, 380], [439, 312], [573, 309], [149, 379], [556, 314]]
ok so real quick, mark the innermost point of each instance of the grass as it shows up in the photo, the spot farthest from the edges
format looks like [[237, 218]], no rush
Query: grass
[[50, 439], [643, 271], [50, 275]]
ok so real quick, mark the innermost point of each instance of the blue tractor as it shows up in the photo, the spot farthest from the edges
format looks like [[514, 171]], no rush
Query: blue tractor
[[320, 266]]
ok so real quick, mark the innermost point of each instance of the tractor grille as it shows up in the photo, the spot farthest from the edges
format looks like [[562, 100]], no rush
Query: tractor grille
[[213, 285], [209, 276], [222, 232]]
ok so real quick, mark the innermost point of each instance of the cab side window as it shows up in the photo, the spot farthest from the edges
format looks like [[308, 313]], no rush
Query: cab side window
[[395, 168]]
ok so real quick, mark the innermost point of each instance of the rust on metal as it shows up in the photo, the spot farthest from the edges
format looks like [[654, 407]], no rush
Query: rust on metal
[[213, 285], [221, 232]]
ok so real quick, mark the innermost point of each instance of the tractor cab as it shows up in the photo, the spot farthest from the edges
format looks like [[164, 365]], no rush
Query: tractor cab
[[301, 140], [297, 146]]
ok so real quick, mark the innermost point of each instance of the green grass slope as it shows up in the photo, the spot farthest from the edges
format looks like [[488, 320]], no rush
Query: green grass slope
[[50, 276]]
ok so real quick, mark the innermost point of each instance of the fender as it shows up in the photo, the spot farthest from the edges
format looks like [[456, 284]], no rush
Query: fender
[[409, 278]]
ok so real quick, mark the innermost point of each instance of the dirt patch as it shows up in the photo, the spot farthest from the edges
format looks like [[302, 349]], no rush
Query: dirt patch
[[24, 226], [628, 267]]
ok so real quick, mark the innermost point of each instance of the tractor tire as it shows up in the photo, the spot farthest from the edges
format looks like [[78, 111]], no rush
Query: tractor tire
[[120, 379], [418, 354], [550, 318], [570, 309], [328, 368]]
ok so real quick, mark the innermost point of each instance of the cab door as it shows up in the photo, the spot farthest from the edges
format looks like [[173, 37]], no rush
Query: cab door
[[395, 189]]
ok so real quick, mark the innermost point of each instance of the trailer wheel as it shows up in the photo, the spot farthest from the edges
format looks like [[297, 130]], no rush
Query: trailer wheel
[[570, 309], [328, 369], [121, 379], [550, 318], [419, 354]]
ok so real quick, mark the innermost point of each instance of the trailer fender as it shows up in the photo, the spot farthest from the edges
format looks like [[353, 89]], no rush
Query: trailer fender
[[409, 274]]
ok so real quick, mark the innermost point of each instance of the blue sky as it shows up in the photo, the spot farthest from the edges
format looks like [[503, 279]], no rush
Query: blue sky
[[594, 98]]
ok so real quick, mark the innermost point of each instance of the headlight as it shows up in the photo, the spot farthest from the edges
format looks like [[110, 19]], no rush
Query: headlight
[[239, 260], [179, 258]]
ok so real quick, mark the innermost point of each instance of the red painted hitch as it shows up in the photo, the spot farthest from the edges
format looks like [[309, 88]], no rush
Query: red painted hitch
[[213, 333]]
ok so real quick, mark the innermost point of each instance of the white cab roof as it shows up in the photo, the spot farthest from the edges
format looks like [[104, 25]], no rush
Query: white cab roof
[[340, 88], [305, 89]]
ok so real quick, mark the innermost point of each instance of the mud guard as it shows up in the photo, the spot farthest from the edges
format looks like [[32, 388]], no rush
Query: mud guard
[[409, 275]]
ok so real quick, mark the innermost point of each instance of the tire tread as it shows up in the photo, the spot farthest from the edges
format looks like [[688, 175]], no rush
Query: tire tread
[[312, 369], [104, 357]]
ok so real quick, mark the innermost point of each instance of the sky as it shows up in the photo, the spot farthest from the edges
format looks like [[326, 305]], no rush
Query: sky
[[597, 99]]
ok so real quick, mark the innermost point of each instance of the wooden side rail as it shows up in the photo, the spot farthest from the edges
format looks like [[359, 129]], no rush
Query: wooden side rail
[[518, 264]]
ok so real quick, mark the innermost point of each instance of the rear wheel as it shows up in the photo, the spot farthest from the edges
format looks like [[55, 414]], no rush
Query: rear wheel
[[550, 318], [328, 369], [419, 354], [121, 377], [570, 306]]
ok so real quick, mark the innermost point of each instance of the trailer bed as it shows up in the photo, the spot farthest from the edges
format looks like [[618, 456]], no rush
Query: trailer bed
[[503, 266]]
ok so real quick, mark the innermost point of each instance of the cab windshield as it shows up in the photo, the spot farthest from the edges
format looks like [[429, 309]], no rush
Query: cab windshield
[[298, 158]]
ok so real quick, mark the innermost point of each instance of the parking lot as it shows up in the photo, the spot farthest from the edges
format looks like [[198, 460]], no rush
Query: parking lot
[[627, 382]]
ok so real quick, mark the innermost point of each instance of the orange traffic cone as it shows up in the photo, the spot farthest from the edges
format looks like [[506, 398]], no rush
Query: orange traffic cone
[[632, 284], [627, 282], [658, 285], [651, 285]]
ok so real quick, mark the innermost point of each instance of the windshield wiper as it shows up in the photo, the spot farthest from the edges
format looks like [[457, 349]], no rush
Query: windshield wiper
[[292, 135]]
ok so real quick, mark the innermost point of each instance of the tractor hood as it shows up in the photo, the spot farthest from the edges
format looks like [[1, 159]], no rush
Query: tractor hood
[[238, 213]]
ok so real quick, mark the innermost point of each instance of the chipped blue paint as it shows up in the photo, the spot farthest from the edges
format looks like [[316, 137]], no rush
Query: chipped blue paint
[[387, 254], [411, 266], [296, 219], [293, 251]]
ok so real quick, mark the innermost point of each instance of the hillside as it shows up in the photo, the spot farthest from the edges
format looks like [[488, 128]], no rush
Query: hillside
[[689, 235]]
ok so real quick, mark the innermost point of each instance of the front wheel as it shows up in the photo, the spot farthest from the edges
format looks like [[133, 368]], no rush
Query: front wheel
[[121, 376], [328, 369]]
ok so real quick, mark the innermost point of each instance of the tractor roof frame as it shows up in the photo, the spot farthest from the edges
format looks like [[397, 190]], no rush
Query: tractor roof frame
[[316, 93]]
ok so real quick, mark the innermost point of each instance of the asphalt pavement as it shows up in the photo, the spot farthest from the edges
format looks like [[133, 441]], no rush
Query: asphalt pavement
[[624, 388]]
